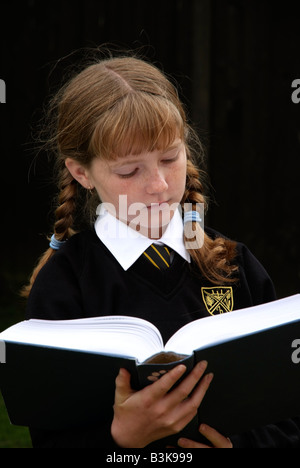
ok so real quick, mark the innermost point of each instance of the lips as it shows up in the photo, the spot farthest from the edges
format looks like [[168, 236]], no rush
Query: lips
[[157, 204]]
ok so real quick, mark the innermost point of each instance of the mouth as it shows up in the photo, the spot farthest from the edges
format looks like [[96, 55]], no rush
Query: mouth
[[158, 204]]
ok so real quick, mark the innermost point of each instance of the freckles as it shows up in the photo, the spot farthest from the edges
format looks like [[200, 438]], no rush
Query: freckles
[[178, 174], [132, 192], [124, 187]]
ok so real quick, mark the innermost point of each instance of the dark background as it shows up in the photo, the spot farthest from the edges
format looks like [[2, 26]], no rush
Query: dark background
[[234, 62]]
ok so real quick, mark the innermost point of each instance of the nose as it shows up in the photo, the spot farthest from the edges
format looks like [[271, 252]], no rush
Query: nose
[[156, 182]]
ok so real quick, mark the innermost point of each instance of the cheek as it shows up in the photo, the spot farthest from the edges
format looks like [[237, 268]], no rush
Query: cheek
[[120, 193], [107, 192], [177, 178], [133, 188]]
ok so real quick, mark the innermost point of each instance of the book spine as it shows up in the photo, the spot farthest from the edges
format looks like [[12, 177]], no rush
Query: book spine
[[149, 373]]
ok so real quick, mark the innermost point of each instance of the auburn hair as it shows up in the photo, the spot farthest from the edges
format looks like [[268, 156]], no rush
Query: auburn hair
[[116, 107]]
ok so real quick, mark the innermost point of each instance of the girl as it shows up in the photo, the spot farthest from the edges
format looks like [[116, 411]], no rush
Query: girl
[[121, 137]]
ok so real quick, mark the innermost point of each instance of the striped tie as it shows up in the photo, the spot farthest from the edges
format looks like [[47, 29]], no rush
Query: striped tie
[[159, 256]]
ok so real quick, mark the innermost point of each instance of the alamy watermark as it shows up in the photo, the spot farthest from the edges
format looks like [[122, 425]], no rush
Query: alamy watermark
[[2, 352], [150, 220], [2, 92], [296, 93], [296, 353]]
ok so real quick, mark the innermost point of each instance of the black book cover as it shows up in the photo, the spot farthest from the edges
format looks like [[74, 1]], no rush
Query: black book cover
[[255, 383]]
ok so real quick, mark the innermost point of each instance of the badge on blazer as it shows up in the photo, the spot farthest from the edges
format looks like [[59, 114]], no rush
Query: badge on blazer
[[218, 300]]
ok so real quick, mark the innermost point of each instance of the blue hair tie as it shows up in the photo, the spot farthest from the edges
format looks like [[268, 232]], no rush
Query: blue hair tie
[[191, 216], [55, 244]]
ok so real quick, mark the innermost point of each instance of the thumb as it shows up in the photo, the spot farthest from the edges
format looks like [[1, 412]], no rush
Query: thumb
[[123, 387]]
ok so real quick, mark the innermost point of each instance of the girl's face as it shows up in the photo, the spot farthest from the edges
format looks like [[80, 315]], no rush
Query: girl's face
[[142, 190]]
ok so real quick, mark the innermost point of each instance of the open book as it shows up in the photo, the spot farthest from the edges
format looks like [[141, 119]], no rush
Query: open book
[[53, 365], [140, 339]]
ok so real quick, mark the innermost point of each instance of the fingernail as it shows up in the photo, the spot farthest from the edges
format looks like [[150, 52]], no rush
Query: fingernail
[[182, 442], [202, 428], [202, 365], [181, 368]]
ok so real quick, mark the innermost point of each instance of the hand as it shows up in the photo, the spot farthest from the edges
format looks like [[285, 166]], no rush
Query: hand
[[156, 411], [217, 440]]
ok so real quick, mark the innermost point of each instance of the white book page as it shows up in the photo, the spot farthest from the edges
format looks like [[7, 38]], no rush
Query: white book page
[[220, 328], [118, 335]]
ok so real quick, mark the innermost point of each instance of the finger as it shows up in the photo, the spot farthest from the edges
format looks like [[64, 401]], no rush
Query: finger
[[187, 409], [184, 389], [217, 439], [195, 399], [187, 443], [123, 386], [166, 382]]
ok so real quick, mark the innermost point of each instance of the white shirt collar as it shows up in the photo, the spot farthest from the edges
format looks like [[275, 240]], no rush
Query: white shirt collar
[[127, 245]]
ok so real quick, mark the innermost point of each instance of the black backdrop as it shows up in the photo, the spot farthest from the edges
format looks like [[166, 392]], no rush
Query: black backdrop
[[234, 60]]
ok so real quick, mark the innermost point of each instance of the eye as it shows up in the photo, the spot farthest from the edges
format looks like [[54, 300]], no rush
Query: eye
[[171, 156], [169, 161], [127, 176]]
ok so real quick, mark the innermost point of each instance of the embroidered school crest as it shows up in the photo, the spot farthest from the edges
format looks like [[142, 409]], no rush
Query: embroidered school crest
[[218, 300]]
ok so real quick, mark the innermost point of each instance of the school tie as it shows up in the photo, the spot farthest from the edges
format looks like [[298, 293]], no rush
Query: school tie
[[159, 256]]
